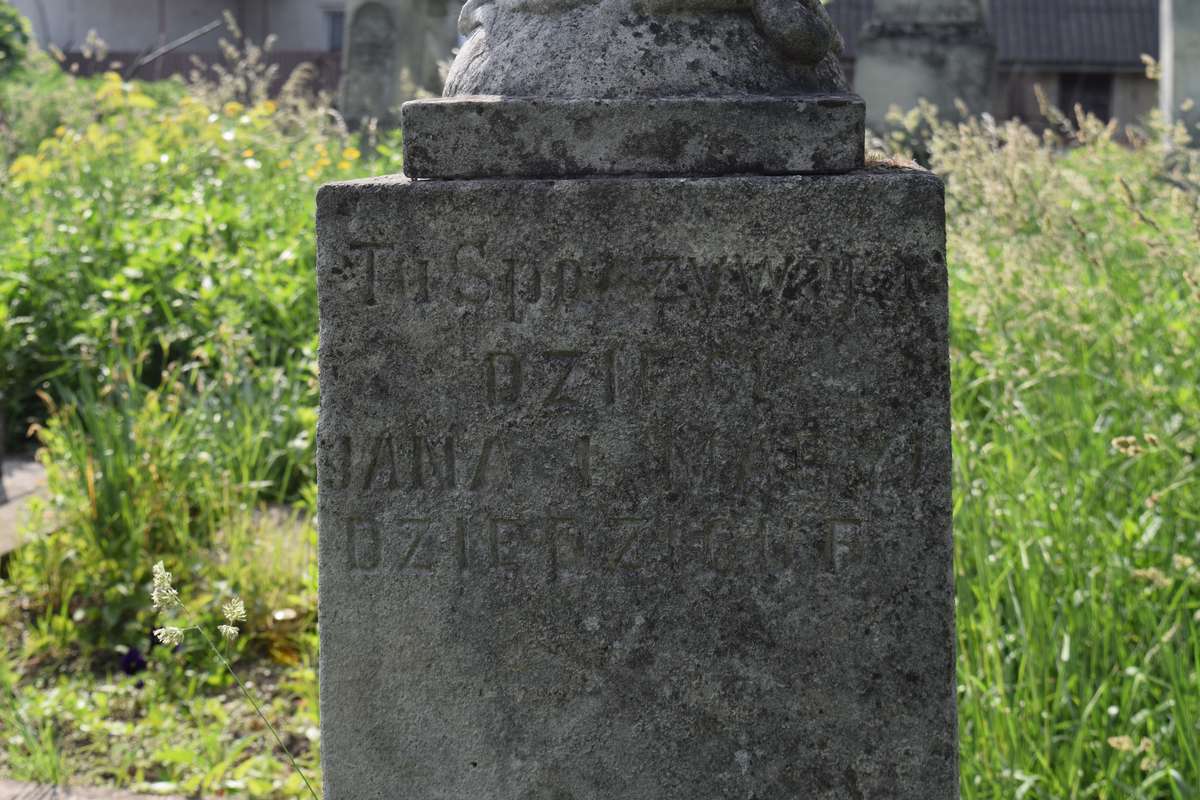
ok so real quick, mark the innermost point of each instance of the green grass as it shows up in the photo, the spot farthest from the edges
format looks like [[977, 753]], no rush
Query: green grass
[[1076, 317], [157, 322]]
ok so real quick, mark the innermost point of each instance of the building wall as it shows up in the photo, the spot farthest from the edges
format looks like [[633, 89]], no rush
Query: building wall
[[299, 24], [125, 25], [1016, 93], [1134, 96], [134, 26]]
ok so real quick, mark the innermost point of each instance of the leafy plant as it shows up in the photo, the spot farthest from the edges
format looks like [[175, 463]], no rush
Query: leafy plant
[[14, 39], [166, 598]]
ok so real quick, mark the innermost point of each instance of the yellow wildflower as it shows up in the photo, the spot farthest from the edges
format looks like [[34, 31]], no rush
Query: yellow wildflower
[[268, 106], [287, 162], [344, 165], [59, 131], [351, 154], [248, 153], [233, 108], [323, 162]]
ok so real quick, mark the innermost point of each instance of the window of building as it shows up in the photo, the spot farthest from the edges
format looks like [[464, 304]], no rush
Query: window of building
[[335, 22], [1092, 90]]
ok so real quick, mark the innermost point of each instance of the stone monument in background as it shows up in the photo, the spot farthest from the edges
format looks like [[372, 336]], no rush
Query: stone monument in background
[[634, 451], [1179, 32], [391, 51], [936, 50]]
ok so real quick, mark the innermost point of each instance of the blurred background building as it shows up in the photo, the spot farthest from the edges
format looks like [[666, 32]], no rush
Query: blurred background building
[[416, 35], [380, 52], [1079, 51], [307, 30]]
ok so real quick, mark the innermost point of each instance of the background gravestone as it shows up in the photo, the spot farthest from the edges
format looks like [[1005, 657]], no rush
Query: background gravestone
[[936, 50], [391, 52], [636, 485]]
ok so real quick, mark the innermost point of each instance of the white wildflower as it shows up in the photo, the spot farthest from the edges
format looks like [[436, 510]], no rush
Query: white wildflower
[[169, 636], [162, 593], [234, 610], [230, 632]]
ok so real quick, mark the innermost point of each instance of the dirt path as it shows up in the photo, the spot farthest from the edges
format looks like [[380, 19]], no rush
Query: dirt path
[[23, 479], [11, 790]]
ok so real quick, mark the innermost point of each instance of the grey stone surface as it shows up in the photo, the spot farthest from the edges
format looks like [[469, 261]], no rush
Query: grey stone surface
[[646, 48], [465, 137], [935, 50], [636, 489], [390, 53]]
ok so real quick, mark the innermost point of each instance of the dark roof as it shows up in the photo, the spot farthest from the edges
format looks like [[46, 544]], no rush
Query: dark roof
[[1052, 33]]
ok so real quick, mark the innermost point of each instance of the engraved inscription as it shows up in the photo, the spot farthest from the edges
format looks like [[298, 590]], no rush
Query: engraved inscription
[[364, 547], [565, 360], [417, 553], [562, 546], [685, 461], [502, 377], [383, 274], [592, 422], [794, 282]]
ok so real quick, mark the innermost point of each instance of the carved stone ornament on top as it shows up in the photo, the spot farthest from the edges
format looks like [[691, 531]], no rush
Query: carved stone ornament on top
[[646, 48]]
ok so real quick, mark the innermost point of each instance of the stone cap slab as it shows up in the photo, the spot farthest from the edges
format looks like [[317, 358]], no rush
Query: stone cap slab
[[486, 136]]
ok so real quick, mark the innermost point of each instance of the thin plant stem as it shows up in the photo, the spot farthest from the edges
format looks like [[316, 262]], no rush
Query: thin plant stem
[[250, 698]]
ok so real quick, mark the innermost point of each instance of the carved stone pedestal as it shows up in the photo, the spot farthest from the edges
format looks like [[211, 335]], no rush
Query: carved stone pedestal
[[634, 457]]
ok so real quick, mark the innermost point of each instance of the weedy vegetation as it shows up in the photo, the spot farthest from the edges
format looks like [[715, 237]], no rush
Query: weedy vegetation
[[158, 343], [158, 336]]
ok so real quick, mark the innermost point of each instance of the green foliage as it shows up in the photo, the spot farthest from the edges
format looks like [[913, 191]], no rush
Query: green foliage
[[14, 39], [170, 728], [158, 325], [32, 749], [144, 473], [1075, 290]]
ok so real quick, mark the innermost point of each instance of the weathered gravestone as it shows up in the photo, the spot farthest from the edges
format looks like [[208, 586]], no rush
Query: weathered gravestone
[[390, 51], [636, 486], [935, 50]]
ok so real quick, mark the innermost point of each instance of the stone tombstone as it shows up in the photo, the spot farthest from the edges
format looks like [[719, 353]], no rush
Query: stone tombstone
[[372, 61], [634, 451], [391, 52], [935, 50]]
